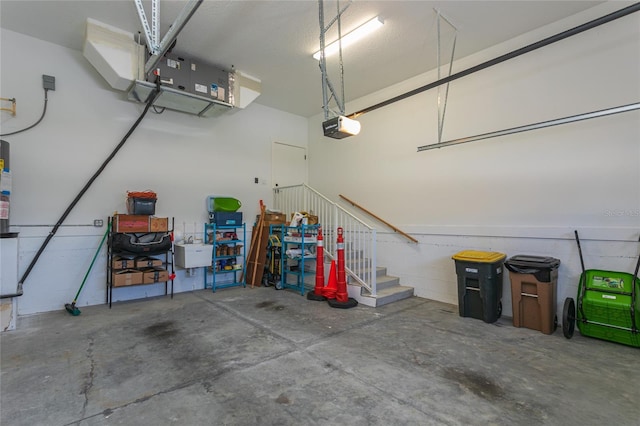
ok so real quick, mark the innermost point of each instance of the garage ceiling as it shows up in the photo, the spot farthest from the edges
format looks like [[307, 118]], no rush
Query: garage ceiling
[[274, 40]]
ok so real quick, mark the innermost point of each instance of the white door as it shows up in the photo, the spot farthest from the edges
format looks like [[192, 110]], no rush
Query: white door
[[289, 164]]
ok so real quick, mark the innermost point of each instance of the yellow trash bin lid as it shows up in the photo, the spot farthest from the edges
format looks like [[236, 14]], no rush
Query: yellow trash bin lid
[[479, 256]]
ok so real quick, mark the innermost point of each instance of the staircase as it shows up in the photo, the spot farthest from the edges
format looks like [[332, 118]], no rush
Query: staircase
[[367, 282], [388, 290]]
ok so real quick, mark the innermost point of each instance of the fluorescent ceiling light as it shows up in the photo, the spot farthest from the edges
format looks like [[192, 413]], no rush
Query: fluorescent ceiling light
[[348, 39]]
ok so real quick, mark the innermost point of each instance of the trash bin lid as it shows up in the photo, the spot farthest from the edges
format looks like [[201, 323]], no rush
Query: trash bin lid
[[479, 256], [522, 262]]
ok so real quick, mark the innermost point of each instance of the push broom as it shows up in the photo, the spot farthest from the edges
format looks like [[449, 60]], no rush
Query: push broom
[[71, 307]]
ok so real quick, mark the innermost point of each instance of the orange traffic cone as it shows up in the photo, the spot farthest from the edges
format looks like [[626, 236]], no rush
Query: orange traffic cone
[[341, 299], [329, 291], [316, 293]]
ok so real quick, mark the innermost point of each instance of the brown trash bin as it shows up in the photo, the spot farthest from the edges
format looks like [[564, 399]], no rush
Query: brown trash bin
[[534, 282]]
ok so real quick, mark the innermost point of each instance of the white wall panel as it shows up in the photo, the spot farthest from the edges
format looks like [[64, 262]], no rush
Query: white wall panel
[[519, 194], [182, 158]]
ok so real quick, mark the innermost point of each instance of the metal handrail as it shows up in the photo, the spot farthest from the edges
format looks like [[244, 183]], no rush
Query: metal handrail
[[395, 228], [360, 238]]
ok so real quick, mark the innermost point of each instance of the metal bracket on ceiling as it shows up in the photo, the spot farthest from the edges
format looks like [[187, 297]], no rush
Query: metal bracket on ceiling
[[535, 126], [327, 86], [442, 106], [158, 49], [150, 36]]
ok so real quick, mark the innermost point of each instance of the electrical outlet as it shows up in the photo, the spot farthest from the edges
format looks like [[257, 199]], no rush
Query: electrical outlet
[[98, 223], [49, 83], [255, 180]]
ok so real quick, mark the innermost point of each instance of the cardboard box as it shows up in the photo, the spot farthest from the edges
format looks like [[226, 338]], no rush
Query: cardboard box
[[119, 262], [273, 218], [298, 239], [158, 224], [126, 277], [308, 219], [131, 223], [147, 262], [154, 275]]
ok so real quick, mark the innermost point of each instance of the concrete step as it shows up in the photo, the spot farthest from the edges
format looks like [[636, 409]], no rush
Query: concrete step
[[386, 281], [381, 271], [388, 287], [383, 297]]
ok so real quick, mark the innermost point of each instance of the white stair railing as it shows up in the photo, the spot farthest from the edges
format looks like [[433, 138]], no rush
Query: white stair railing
[[360, 238]]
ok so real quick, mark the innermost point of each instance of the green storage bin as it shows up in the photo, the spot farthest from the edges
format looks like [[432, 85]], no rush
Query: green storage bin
[[222, 204]]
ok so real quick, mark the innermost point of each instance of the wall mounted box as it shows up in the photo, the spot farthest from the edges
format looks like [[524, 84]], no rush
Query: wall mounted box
[[193, 255]]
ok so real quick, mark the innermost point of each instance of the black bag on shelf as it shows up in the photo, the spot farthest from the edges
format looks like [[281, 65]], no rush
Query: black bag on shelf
[[137, 243]]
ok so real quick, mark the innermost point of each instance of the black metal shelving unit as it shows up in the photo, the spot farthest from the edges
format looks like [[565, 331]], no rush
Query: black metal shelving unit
[[165, 256]]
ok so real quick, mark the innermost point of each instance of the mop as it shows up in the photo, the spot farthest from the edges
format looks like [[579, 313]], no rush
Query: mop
[[71, 307]]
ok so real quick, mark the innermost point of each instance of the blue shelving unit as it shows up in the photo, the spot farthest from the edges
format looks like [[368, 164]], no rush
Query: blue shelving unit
[[298, 250], [228, 261]]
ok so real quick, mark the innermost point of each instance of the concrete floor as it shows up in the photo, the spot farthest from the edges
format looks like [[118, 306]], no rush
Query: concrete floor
[[264, 357]]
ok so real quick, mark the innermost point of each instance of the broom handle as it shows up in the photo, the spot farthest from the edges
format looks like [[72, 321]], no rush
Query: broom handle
[[258, 245], [95, 256]]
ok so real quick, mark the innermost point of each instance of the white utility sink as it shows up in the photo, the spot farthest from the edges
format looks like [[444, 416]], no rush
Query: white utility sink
[[193, 255]]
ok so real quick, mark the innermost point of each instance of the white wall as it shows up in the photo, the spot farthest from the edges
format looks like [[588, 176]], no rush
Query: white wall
[[182, 158], [518, 194]]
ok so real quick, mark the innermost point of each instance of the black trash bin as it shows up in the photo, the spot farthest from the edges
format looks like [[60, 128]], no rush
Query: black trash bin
[[533, 291], [479, 284]]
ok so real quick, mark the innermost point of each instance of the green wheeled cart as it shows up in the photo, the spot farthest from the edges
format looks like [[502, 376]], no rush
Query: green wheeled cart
[[608, 306]]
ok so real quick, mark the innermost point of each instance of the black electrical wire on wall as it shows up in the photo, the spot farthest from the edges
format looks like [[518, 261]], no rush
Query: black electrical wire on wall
[[44, 111], [150, 100]]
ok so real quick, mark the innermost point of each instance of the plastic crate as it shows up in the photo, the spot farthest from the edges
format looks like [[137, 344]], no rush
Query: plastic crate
[[141, 206]]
